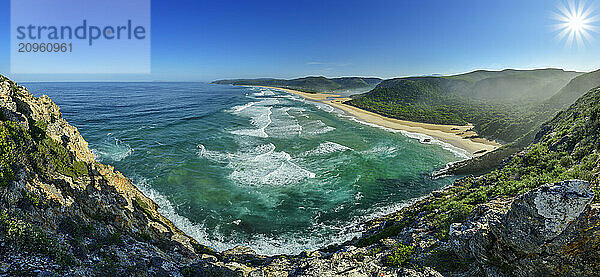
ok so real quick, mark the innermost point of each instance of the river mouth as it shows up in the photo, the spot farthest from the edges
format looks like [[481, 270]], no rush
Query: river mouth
[[248, 166]]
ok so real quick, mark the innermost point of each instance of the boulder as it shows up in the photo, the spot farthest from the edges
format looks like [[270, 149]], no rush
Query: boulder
[[540, 215], [550, 230]]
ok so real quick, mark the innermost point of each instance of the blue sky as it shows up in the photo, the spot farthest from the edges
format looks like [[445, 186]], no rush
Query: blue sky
[[208, 40]]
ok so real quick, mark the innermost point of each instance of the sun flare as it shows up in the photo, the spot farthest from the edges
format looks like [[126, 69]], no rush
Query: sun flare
[[575, 23]]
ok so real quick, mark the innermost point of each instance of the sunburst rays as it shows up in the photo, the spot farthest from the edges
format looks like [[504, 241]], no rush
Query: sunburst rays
[[575, 23]]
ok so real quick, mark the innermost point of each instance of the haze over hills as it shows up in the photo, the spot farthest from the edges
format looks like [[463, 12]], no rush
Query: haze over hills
[[574, 89], [503, 105], [514, 85], [310, 84], [494, 220], [64, 212]]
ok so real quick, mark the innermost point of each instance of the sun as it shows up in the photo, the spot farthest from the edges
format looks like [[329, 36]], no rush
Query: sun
[[575, 23]]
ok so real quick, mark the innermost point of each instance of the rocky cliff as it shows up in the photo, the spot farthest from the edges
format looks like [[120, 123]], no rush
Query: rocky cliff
[[523, 219], [62, 212], [549, 231]]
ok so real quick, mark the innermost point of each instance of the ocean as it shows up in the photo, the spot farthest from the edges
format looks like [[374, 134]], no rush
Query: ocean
[[248, 166]]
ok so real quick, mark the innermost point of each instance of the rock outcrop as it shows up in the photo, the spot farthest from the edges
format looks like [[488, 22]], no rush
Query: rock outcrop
[[548, 231], [61, 211], [64, 213]]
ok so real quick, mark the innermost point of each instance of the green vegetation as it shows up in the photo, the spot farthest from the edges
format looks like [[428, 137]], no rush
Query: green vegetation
[[36, 224], [509, 85], [446, 260], [434, 100], [309, 84], [113, 239], [25, 236], [567, 148], [145, 208], [387, 232], [502, 105], [371, 252], [109, 265], [33, 147], [6, 156], [142, 204], [33, 199], [505, 105], [54, 157], [400, 256], [539, 165], [573, 90], [21, 145]]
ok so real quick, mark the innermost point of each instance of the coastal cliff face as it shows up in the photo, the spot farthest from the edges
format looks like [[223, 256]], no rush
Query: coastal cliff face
[[62, 212], [551, 231], [537, 215]]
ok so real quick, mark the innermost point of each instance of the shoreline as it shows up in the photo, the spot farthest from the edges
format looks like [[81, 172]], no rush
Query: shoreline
[[457, 136]]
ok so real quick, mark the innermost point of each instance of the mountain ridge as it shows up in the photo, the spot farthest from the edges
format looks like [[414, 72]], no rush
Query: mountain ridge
[[310, 84], [452, 99], [64, 213]]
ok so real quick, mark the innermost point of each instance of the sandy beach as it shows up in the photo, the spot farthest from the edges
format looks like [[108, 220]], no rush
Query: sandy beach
[[458, 136]]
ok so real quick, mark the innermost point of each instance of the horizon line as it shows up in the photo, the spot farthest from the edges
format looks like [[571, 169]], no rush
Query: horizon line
[[291, 78]]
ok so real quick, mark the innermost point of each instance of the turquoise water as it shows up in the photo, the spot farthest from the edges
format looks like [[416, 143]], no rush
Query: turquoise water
[[233, 165]]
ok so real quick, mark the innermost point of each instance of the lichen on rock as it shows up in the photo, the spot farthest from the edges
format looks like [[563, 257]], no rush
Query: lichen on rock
[[62, 212], [58, 204], [535, 234]]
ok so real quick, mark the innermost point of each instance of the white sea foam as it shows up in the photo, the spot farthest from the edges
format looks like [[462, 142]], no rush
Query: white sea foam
[[284, 125], [287, 96], [210, 155], [324, 107], [325, 148], [268, 92], [380, 150], [265, 166], [97, 155], [260, 117], [260, 165], [263, 244], [112, 149], [316, 127], [442, 172], [269, 245], [262, 92], [292, 97], [295, 244], [193, 229], [243, 107], [425, 139]]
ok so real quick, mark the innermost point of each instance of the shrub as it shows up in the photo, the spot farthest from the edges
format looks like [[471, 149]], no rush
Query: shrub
[[400, 256], [6, 156], [30, 238]]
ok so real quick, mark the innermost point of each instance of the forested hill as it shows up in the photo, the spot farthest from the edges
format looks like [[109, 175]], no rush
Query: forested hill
[[574, 89], [515, 85], [502, 105], [497, 224], [310, 84], [62, 213]]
